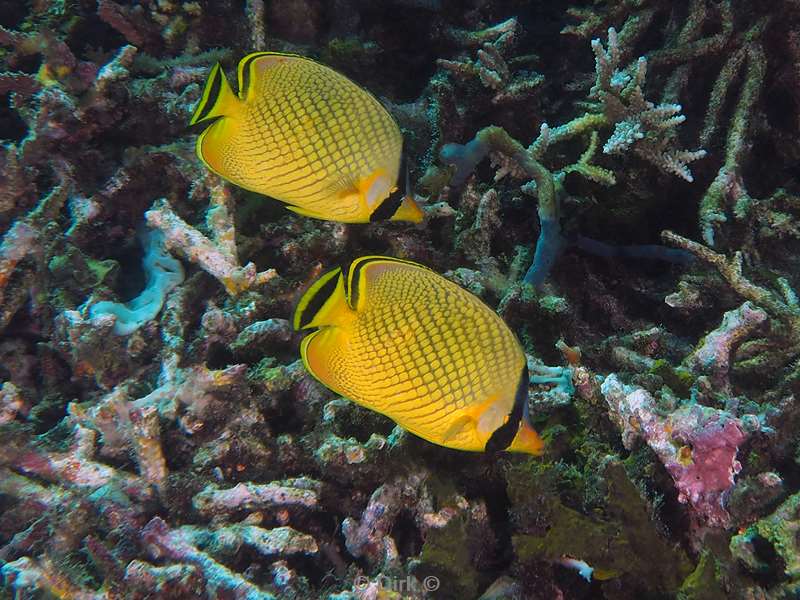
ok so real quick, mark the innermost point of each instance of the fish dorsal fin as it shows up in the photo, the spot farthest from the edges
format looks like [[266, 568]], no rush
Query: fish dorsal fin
[[218, 99], [257, 62], [324, 303], [358, 276]]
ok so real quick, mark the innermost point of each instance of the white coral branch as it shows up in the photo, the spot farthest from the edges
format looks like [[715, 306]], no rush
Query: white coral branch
[[215, 256]]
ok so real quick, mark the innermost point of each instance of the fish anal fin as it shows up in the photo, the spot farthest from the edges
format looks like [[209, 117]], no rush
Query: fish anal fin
[[527, 440], [304, 212], [409, 211]]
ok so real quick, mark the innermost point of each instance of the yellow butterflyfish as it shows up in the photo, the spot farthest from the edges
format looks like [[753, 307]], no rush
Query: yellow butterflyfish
[[400, 339], [304, 134]]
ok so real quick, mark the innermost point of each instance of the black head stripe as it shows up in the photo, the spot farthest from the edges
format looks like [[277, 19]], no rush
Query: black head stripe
[[213, 95], [504, 435], [318, 301]]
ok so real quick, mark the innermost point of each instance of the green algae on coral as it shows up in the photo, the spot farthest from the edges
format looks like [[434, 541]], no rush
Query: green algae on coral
[[625, 543], [445, 555], [779, 531], [702, 583], [679, 380]]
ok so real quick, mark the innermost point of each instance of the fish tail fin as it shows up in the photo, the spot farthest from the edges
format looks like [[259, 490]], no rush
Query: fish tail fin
[[408, 210], [218, 99], [324, 303], [527, 440]]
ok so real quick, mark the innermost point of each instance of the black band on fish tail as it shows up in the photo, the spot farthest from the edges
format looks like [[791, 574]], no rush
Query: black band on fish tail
[[317, 301], [505, 434], [388, 207], [215, 87], [402, 174]]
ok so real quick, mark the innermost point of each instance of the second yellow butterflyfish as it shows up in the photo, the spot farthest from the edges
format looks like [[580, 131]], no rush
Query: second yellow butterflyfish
[[304, 134], [400, 339]]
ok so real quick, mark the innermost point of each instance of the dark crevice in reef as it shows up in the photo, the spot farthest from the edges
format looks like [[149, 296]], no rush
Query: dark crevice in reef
[[12, 127]]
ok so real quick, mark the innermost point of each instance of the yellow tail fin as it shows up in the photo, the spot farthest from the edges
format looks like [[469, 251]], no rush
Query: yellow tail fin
[[527, 440], [218, 99]]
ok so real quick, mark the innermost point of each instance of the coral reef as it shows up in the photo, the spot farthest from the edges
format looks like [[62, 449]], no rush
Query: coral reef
[[636, 225]]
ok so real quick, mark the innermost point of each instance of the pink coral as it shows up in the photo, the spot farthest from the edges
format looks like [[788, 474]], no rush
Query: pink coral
[[697, 445]]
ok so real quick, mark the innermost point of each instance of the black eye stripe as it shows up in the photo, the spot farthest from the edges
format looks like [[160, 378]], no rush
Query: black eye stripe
[[352, 293]]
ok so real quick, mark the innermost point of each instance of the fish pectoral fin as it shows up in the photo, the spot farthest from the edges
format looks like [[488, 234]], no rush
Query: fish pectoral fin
[[374, 188], [457, 427], [489, 415]]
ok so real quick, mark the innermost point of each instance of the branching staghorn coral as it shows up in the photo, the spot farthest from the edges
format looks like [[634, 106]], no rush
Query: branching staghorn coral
[[732, 36], [218, 255], [301, 492], [728, 191], [491, 68], [26, 241], [175, 544], [133, 426], [638, 124], [782, 307]]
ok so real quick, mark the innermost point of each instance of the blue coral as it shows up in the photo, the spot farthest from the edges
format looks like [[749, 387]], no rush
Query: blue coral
[[162, 272]]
